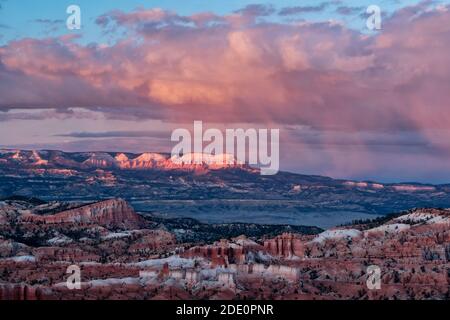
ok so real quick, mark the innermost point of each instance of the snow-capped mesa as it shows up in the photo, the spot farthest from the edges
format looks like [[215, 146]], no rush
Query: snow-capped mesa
[[121, 157], [122, 161], [212, 161], [147, 156], [362, 184], [57, 160], [98, 159], [37, 160], [256, 150], [148, 160], [412, 188]]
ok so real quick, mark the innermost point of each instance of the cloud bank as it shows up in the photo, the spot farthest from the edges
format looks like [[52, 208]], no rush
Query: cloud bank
[[234, 68]]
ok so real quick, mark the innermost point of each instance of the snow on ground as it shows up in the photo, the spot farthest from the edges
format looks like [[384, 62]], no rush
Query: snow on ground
[[439, 220], [356, 184], [245, 242], [59, 240], [263, 256], [90, 263], [209, 159], [412, 188], [21, 259], [148, 157], [423, 217], [337, 234], [173, 262], [416, 217], [213, 272], [116, 235], [389, 228], [104, 282], [113, 281]]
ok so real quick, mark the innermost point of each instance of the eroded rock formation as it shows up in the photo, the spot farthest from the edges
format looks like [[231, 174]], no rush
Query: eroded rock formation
[[111, 213], [286, 245]]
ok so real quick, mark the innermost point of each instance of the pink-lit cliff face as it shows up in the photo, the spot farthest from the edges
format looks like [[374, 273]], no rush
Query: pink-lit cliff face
[[349, 102]]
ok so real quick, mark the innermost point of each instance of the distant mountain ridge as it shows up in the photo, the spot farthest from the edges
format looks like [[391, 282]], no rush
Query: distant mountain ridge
[[116, 160], [210, 191]]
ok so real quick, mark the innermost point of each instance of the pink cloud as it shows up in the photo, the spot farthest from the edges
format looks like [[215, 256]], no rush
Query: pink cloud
[[234, 69]]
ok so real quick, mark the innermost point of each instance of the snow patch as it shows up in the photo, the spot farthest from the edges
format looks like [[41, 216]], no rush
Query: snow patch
[[173, 262], [389, 228], [116, 235], [337, 234], [423, 217], [148, 157], [203, 158], [412, 188], [113, 282], [21, 259], [59, 240]]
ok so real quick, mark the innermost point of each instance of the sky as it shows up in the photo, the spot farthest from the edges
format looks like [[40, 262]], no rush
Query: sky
[[349, 102]]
